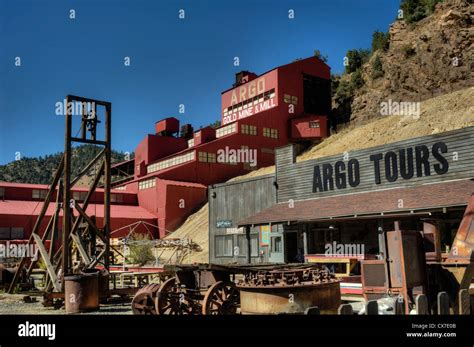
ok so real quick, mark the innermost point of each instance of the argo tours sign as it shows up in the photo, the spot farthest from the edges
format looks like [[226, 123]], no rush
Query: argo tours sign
[[429, 159], [405, 164]]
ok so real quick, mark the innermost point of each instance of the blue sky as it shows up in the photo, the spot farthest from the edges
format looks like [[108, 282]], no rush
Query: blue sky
[[173, 61]]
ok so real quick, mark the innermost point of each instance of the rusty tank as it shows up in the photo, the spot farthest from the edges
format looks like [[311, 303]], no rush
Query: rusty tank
[[289, 291], [81, 292]]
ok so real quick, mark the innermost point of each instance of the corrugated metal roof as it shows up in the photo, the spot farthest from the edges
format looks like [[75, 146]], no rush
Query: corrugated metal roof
[[428, 196], [28, 208]]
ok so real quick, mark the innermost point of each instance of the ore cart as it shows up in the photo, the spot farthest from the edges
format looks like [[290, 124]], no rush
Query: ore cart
[[247, 289]]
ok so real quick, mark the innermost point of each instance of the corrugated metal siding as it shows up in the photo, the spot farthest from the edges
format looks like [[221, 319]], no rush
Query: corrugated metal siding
[[233, 202]]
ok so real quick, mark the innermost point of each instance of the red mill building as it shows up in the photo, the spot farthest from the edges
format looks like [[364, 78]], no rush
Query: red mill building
[[172, 169]]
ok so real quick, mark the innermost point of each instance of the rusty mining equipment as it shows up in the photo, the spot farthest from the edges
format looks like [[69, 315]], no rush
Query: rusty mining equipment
[[83, 245], [210, 289], [413, 265]]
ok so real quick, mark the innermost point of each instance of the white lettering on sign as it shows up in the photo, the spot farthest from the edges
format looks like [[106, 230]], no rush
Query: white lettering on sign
[[249, 111], [247, 91], [235, 231]]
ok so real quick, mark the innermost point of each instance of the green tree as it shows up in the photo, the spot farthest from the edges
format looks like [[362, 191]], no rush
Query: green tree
[[317, 53], [356, 80], [141, 249], [416, 10], [380, 40], [356, 58], [216, 124], [377, 68], [343, 92]]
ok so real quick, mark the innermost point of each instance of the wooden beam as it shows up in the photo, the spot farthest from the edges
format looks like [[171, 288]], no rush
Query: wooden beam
[[90, 222], [87, 168], [80, 246], [47, 261]]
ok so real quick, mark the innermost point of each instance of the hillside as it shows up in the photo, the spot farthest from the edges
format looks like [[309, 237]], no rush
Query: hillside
[[447, 112], [416, 60], [40, 170]]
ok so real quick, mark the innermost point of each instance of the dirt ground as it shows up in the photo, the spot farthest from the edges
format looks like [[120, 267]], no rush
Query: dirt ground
[[14, 304]]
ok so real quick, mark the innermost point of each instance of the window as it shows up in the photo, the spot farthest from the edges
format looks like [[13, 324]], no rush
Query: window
[[180, 159], [242, 244], [248, 129], [39, 194], [272, 133], [191, 143], [116, 198], [206, 157], [4, 233], [226, 130], [120, 188], [317, 95], [267, 150], [269, 94], [290, 99], [2, 193], [254, 239], [79, 196], [276, 246], [224, 245], [17, 233], [147, 184], [14, 233], [314, 124]]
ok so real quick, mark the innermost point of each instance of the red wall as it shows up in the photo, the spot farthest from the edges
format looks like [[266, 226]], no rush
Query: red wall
[[154, 147], [300, 128]]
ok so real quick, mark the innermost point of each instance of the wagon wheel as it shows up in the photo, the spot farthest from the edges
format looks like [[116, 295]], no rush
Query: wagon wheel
[[143, 302], [172, 300], [221, 298]]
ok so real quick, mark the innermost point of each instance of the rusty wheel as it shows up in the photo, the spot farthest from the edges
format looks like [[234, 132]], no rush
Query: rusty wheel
[[221, 298], [171, 299], [143, 302]]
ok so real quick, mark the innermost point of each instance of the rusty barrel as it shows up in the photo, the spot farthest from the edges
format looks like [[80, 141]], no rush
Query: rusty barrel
[[290, 299], [104, 288], [81, 292]]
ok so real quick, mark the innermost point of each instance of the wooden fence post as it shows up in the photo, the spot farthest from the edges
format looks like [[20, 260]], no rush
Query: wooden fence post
[[464, 302], [421, 303], [312, 310], [399, 305], [443, 303], [372, 307], [345, 309]]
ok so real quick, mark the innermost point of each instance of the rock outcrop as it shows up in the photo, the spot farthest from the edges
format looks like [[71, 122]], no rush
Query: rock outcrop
[[425, 59]]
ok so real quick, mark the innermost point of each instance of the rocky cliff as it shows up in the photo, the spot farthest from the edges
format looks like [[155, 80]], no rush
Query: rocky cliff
[[423, 60]]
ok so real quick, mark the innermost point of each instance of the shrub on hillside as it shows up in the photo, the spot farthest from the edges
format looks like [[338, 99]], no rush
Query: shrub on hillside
[[408, 51], [416, 10], [356, 58], [377, 68], [141, 249], [356, 80], [380, 40]]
